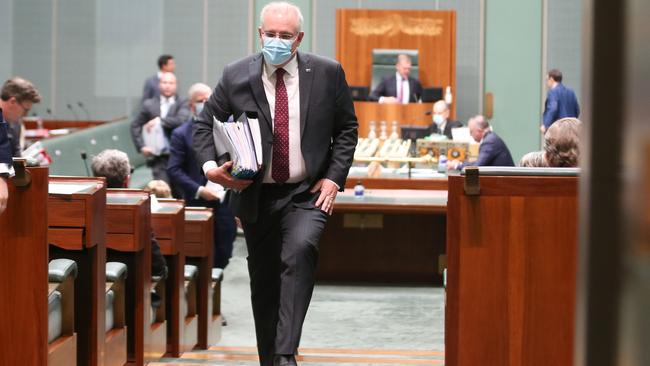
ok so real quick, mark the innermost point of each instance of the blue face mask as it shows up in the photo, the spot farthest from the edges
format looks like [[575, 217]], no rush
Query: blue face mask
[[438, 119], [276, 51], [199, 108]]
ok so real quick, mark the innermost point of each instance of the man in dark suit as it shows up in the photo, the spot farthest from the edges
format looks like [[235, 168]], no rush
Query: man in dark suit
[[561, 102], [399, 87], [17, 97], [167, 110], [309, 133], [441, 123], [150, 90], [492, 151], [185, 175], [6, 165]]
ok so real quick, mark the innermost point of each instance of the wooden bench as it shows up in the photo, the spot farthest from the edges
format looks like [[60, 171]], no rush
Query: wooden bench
[[128, 240], [511, 275], [76, 210], [388, 236], [24, 273], [199, 246], [168, 225]]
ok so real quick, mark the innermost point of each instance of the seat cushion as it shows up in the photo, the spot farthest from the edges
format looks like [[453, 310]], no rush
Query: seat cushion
[[190, 272], [110, 310], [140, 177], [217, 274], [54, 316]]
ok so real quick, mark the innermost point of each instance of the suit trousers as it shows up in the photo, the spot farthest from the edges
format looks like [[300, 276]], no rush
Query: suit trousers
[[282, 255]]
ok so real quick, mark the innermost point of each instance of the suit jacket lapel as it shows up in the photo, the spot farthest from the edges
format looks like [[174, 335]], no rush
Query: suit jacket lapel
[[255, 80], [306, 78]]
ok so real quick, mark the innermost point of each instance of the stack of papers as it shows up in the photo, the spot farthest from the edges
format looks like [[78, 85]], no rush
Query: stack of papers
[[241, 142], [155, 139]]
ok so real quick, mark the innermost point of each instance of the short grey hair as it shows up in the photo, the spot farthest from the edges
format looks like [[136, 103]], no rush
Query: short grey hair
[[197, 88], [282, 4], [113, 165], [481, 122]]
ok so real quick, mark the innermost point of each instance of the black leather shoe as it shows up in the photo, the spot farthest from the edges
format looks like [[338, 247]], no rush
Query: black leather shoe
[[284, 360]]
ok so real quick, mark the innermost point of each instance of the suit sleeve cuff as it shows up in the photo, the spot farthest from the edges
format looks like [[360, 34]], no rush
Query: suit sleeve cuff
[[208, 165], [197, 195], [333, 182], [6, 169]]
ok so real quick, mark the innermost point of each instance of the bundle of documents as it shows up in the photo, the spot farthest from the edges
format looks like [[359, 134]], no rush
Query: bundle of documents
[[241, 142], [155, 139]]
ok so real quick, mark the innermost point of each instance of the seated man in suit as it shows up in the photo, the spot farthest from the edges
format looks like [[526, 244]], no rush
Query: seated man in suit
[[168, 110], [185, 174], [151, 89], [400, 87], [492, 151], [441, 123], [115, 167]]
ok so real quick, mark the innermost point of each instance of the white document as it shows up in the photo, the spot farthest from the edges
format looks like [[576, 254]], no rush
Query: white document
[[217, 188], [461, 134], [155, 139], [67, 188], [241, 142]]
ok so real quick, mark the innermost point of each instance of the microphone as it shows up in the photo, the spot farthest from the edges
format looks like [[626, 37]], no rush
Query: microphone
[[84, 156], [76, 116], [428, 113], [81, 105]]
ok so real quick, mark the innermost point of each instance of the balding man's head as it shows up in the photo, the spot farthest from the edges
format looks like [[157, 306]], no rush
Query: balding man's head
[[440, 112], [280, 32], [167, 84], [283, 12], [198, 95], [478, 125], [403, 65]]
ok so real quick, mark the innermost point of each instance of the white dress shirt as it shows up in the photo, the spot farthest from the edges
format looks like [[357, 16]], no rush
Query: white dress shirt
[[297, 169], [165, 104], [406, 91]]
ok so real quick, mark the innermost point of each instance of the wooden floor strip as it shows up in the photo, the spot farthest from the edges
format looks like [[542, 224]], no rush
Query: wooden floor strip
[[320, 359], [369, 351]]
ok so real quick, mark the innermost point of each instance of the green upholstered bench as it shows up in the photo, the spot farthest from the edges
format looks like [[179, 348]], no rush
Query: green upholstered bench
[[66, 151]]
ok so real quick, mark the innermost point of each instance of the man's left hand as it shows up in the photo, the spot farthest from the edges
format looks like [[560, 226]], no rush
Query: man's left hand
[[327, 195]]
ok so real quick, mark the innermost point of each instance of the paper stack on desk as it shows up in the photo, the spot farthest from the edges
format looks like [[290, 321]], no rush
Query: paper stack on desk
[[241, 142]]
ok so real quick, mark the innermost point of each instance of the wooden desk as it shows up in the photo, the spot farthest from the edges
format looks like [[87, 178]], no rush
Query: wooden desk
[[24, 278], [511, 282], [404, 114], [436, 184], [390, 236], [76, 230], [168, 225], [199, 246], [128, 240]]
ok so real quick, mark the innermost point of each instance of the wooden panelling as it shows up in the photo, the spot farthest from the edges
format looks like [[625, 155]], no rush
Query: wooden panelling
[[115, 347], [23, 273], [66, 238], [432, 33], [63, 211], [120, 221], [122, 242], [63, 351], [167, 247], [511, 271], [404, 114]]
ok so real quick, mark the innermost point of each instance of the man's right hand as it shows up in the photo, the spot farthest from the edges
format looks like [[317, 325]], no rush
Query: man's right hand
[[222, 176], [4, 195], [146, 151], [208, 195]]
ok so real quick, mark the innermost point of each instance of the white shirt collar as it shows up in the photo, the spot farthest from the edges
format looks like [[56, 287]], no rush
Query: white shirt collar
[[164, 99], [291, 67]]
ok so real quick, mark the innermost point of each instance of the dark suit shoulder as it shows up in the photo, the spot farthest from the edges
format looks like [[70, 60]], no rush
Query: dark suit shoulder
[[455, 124], [318, 59]]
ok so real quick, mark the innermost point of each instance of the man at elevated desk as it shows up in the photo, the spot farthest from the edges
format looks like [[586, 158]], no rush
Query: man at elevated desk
[[400, 87], [441, 123]]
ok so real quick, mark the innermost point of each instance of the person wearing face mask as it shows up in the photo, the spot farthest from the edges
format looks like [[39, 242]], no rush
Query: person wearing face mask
[[309, 132], [441, 123], [186, 177]]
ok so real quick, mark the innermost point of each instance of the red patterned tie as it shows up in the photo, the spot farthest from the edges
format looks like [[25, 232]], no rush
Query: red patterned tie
[[280, 163]]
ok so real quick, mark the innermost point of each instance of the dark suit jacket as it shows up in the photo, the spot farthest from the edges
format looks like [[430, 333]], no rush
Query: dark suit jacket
[[328, 125], [178, 113], [183, 168], [388, 88], [151, 88], [447, 132], [5, 144], [561, 102], [493, 151]]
